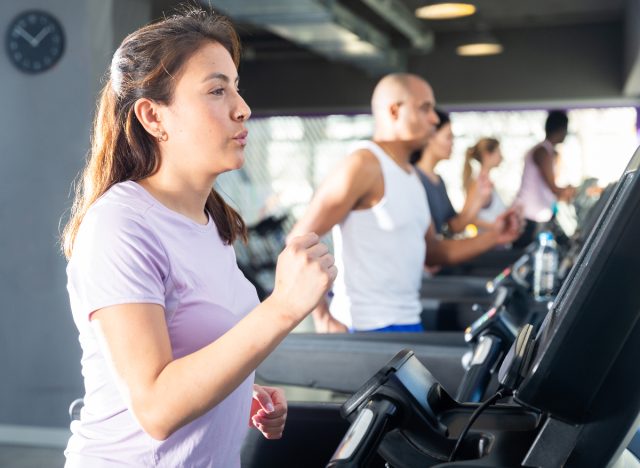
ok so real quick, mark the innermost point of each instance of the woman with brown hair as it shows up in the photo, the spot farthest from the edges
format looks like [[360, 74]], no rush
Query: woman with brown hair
[[487, 153], [171, 331], [439, 147]]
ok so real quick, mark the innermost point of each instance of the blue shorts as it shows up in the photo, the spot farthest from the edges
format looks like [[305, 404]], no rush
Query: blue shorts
[[413, 327]]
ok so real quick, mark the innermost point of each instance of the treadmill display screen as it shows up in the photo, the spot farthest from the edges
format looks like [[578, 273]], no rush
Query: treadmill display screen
[[596, 315]]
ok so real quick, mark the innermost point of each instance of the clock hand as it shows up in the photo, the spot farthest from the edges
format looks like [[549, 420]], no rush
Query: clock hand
[[41, 35], [25, 35]]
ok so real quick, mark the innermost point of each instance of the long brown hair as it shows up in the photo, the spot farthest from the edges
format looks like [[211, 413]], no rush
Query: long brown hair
[[144, 66], [484, 145]]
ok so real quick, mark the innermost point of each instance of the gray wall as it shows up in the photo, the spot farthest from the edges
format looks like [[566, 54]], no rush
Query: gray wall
[[44, 135], [574, 64]]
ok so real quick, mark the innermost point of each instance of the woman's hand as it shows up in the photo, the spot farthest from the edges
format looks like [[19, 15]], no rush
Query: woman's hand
[[304, 272], [508, 226], [268, 411]]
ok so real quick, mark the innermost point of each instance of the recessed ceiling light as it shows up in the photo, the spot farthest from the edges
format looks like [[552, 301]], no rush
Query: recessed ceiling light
[[479, 42], [479, 48], [441, 11]]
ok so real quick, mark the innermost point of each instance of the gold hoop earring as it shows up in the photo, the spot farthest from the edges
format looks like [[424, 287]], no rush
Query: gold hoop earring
[[163, 136]]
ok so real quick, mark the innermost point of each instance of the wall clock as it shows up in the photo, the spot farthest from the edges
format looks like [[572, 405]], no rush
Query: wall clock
[[34, 41]]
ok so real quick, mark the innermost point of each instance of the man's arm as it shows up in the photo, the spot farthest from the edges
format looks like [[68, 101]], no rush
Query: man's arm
[[505, 229], [323, 321], [345, 189]]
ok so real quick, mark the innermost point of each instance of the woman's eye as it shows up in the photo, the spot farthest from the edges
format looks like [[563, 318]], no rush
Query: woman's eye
[[218, 91]]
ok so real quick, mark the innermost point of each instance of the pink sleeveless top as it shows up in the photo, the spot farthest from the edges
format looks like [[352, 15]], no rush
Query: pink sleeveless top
[[535, 196]]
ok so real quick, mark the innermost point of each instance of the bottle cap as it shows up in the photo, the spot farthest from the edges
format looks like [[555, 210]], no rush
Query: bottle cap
[[545, 237]]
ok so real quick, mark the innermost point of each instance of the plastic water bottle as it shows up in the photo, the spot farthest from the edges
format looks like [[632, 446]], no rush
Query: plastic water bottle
[[545, 268]]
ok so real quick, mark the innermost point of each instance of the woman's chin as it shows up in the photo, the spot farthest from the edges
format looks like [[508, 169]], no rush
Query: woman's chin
[[234, 164], [239, 163]]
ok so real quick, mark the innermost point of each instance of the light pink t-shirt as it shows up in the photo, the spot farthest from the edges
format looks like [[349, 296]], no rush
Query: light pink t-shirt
[[132, 249], [534, 195]]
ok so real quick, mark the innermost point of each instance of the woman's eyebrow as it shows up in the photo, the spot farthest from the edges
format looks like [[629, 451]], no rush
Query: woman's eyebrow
[[220, 76]]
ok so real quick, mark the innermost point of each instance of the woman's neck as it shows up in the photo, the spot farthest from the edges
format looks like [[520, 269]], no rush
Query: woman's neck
[[179, 194], [484, 170], [427, 163]]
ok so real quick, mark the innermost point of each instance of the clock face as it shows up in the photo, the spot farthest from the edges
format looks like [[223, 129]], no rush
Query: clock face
[[35, 41]]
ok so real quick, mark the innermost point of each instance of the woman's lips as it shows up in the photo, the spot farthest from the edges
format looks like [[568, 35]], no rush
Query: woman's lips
[[241, 137]]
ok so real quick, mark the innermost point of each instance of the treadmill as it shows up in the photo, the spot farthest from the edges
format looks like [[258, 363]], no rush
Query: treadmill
[[576, 387], [575, 384]]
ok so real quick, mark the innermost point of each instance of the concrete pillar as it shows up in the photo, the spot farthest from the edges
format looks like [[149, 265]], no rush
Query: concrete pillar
[[45, 122], [632, 49]]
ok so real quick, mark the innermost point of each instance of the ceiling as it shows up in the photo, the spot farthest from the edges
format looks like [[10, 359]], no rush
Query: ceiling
[[275, 44], [527, 13], [259, 42]]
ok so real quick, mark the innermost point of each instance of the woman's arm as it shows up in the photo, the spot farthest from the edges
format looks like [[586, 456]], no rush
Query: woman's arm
[[478, 195], [483, 225], [504, 230], [165, 393]]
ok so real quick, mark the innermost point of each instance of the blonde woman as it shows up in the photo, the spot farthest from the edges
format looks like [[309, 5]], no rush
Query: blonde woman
[[486, 153], [444, 216]]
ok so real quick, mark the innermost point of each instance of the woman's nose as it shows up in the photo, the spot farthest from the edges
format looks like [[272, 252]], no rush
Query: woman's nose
[[243, 111]]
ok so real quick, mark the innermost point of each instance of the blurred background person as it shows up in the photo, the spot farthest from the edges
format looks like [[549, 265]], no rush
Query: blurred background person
[[375, 206], [486, 152], [538, 190], [445, 218]]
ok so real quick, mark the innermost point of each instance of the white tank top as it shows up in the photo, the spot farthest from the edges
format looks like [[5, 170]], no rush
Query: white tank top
[[496, 208], [380, 253], [535, 196]]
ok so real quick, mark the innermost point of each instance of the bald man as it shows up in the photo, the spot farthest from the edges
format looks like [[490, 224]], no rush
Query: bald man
[[382, 230]]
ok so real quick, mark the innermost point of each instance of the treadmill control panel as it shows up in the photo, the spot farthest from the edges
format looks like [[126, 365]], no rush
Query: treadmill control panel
[[473, 330]]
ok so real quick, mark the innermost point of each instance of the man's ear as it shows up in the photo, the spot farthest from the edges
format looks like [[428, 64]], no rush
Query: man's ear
[[148, 114], [394, 110]]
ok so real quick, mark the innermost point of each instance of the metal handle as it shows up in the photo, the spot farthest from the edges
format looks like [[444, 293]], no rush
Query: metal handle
[[476, 379], [364, 435]]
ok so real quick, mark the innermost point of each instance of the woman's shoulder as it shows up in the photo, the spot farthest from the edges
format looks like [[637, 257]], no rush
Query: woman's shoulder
[[118, 228], [438, 183], [124, 194], [430, 181], [121, 208]]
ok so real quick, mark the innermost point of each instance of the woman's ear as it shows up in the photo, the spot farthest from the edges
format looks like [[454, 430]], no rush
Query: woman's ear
[[148, 114]]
